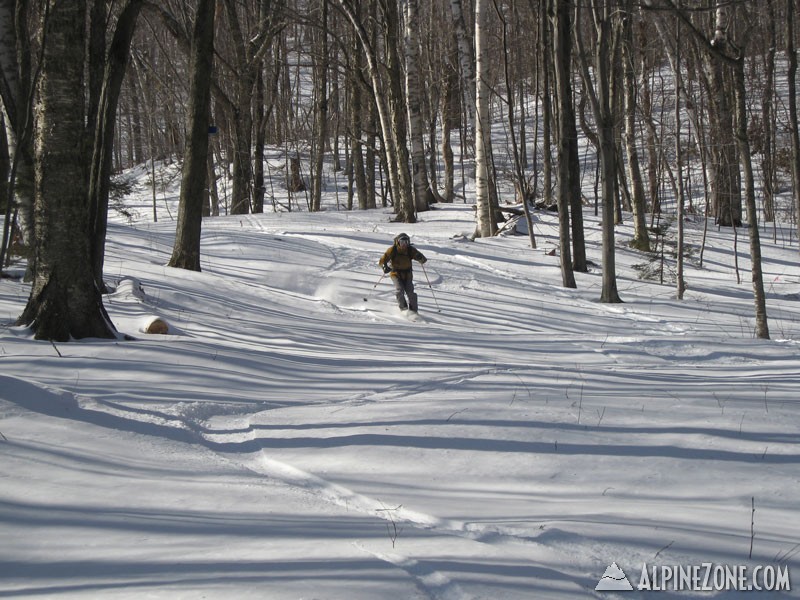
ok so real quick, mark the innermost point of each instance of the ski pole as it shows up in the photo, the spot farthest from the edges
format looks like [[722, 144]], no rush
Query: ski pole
[[438, 309], [367, 297]]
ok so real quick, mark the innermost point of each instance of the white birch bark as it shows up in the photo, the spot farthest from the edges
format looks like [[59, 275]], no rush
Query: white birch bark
[[485, 222]]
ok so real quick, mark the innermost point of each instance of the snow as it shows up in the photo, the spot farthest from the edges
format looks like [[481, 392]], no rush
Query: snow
[[287, 439]]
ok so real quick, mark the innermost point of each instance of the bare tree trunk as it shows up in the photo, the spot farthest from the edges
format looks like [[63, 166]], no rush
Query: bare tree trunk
[[791, 53], [567, 132], [646, 108], [485, 226], [465, 61], [600, 96], [720, 45], [100, 172], [759, 297], [546, 91], [355, 93], [641, 239], [681, 284], [767, 117], [371, 160], [398, 114], [448, 158], [726, 184], [65, 302], [213, 195], [15, 89], [259, 191], [423, 196], [242, 172], [320, 109], [186, 251], [137, 135]]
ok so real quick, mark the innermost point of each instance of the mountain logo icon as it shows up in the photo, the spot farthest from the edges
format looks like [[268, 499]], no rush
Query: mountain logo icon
[[613, 580]]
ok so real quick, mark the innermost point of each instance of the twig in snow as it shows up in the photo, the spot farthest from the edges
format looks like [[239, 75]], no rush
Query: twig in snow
[[664, 548], [458, 412], [602, 414], [527, 389], [391, 525]]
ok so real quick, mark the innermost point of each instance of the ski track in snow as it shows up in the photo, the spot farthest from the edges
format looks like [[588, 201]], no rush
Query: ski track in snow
[[191, 423], [434, 583], [187, 420]]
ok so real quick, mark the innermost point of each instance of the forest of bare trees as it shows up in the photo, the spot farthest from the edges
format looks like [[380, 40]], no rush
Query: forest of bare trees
[[637, 108]]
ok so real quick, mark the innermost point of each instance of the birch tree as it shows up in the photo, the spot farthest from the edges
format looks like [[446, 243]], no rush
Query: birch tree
[[485, 226], [726, 183]]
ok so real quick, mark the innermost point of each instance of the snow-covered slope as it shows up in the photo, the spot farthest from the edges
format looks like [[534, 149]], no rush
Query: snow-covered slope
[[288, 439]]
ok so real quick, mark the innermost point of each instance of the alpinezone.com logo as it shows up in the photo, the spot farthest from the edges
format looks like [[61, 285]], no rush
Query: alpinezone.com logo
[[705, 577]]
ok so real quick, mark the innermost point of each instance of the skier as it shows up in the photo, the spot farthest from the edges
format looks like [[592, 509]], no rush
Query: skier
[[400, 255]]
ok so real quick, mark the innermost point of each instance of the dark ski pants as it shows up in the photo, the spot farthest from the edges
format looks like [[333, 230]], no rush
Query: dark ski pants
[[404, 288]]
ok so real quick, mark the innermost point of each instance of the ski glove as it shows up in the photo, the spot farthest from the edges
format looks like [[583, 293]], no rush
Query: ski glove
[[423, 260], [386, 268]]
